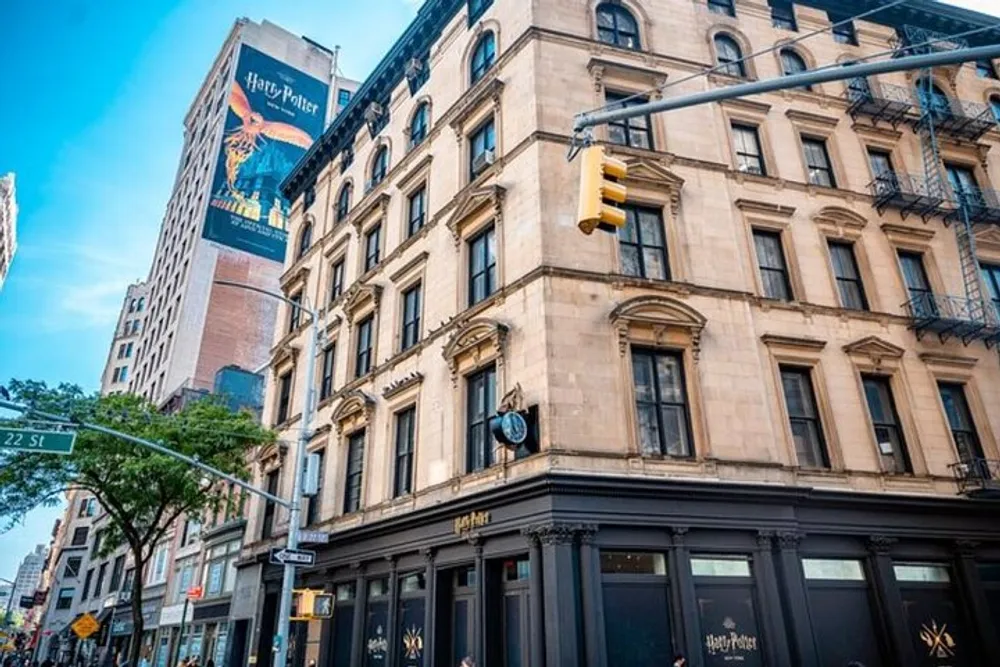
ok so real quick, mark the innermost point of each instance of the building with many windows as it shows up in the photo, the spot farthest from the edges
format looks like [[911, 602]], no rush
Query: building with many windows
[[8, 224], [125, 343], [758, 424]]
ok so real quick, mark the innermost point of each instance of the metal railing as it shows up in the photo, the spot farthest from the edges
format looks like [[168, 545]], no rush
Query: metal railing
[[981, 204], [954, 316], [881, 101], [909, 193], [977, 476]]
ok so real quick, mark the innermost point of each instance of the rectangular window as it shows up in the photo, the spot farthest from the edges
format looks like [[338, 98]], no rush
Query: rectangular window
[[336, 279], [128, 351], [102, 572], [121, 351], [845, 269], [72, 569], [79, 536], [294, 311], [124, 374], [661, 403], [87, 581], [963, 430], [771, 264], [803, 417], [633, 562], [481, 393], [880, 163], [885, 422], [482, 265], [312, 510], [964, 186], [921, 299], [411, 317], [991, 276], [416, 210], [818, 162], [783, 15], [326, 375], [117, 570], [482, 148], [746, 142], [355, 472], [636, 132], [267, 522], [923, 573], [843, 30], [65, 598], [720, 566], [406, 422], [372, 247], [832, 569], [363, 352], [726, 7], [95, 547], [642, 244], [284, 397]]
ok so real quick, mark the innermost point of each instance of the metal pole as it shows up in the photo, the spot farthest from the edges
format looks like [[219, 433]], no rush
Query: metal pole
[[180, 636], [585, 120], [283, 629], [10, 599]]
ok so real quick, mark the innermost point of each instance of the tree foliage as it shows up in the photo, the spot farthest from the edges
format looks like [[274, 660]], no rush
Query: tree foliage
[[144, 492]]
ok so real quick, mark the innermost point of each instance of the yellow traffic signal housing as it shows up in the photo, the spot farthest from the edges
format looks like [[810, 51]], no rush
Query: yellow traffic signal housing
[[309, 604], [597, 188]]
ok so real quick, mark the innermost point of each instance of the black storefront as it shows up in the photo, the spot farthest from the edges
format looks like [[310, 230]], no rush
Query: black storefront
[[567, 570]]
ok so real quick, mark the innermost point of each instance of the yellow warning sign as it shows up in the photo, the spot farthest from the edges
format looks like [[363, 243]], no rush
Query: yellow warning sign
[[85, 626]]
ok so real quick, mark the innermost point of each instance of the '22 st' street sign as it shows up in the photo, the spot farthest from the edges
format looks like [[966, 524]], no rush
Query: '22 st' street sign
[[32, 440]]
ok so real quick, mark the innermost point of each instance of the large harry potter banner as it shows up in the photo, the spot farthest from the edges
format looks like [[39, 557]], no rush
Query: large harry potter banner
[[274, 114]]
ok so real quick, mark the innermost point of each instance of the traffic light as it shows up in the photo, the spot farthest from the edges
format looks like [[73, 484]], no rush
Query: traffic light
[[309, 604], [598, 183]]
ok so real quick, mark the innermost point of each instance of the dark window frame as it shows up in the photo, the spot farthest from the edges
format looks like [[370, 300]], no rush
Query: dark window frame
[[792, 62], [484, 56], [416, 210], [483, 383], [732, 63], [271, 481], [623, 29], [820, 148], [418, 124], [411, 299], [380, 166], [373, 246], [783, 15], [659, 402], [284, 397], [479, 246], [640, 244], [747, 161], [724, 7], [337, 278], [402, 475], [344, 201], [482, 140], [760, 233], [477, 8], [295, 311], [963, 436], [305, 240], [364, 346], [625, 132], [846, 282], [354, 472], [843, 34], [814, 420], [890, 423], [327, 365]]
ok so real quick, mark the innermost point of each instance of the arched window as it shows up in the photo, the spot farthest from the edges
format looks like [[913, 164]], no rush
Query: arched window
[[933, 99], [344, 202], [418, 125], [483, 57], [380, 165], [995, 106], [793, 63], [729, 56], [616, 25], [305, 239]]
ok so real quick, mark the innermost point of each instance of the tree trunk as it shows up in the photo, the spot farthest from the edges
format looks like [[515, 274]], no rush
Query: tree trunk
[[135, 647]]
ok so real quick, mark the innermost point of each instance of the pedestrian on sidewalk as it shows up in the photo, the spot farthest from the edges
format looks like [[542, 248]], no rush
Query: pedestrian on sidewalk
[[680, 661]]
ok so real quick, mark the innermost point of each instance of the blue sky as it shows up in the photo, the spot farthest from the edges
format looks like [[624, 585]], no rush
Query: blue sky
[[94, 96]]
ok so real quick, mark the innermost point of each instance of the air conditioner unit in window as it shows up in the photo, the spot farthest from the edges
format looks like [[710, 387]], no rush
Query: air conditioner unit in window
[[483, 160]]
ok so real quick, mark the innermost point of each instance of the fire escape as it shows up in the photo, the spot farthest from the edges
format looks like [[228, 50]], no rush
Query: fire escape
[[956, 198]]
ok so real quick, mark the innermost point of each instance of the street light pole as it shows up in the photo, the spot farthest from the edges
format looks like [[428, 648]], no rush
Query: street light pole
[[295, 505]]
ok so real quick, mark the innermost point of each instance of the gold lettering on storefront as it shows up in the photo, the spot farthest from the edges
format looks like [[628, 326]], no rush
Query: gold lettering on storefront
[[732, 643], [471, 521]]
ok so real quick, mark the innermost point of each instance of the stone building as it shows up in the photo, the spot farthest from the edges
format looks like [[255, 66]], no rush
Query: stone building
[[759, 424], [124, 348], [8, 224]]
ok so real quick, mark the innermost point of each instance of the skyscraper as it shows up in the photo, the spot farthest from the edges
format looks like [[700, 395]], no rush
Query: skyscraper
[[262, 103], [30, 572], [8, 224]]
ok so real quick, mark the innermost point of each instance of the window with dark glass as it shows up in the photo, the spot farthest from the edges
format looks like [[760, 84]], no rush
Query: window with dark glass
[[72, 569], [771, 264], [267, 521], [818, 163], [380, 165], [116, 574], [477, 8], [803, 417], [87, 581], [315, 502], [355, 472], [410, 334], [483, 56], [481, 394], [881, 164], [309, 196], [482, 265], [363, 352], [418, 125], [417, 210], [405, 433], [995, 106], [617, 26], [642, 245], [729, 56], [932, 99], [991, 276], [482, 148], [842, 29], [79, 536], [372, 247], [295, 311], [746, 143], [964, 186], [326, 375], [845, 269], [346, 159], [305, 239], [727, 7], [783, 15], [636, 592], [344, 202], [885, 422], [793, 63], [985, 69], [284, 397], [661, 403], [102, 572], [336, 279], [963, 430], [65, 598], [922, 302], [637, 131]]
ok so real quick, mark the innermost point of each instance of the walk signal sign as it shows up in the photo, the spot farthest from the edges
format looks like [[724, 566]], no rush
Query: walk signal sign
[[599, 176], [308, 604]]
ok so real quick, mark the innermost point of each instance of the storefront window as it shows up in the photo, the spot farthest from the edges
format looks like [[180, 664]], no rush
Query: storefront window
[[636, 608], [516, 570], [376, 641], [727, 611], [921, 573], [631, 562], [720, 566], [163, 651], [221, 642], [832, 569], [843, 618], [412, 604], [344, 592]]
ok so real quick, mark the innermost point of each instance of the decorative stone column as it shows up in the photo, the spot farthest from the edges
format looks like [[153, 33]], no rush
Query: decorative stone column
[[889, 600], [392, 632], [971, 587], [795, 601], [536, 594], [685, 623], [561, 614], [479, 627], [430, 604], [360, 614], [592, 598], [770, 617]]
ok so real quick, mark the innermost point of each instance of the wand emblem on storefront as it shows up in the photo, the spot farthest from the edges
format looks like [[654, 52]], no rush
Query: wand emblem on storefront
[[939, 642], [413, 642]]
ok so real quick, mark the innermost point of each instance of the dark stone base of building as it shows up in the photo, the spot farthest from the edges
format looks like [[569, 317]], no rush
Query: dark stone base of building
[[565, 570]]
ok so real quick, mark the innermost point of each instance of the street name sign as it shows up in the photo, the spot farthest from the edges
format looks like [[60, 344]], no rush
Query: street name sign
[[32, 440], [85, 626], [286, 556], [314, 536]]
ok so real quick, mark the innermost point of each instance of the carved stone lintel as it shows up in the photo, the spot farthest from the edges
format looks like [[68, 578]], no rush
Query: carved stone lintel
[[677, 535], [531, 535], [587, 533], [557, 533], [356, 565], [765, 539], [428, 553], [881, 544], [789, 540]]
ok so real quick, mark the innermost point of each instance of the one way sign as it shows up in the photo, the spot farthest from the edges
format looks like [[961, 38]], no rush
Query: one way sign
[[285, 556]]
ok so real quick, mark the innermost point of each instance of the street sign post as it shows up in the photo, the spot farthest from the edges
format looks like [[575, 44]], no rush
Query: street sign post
[[314, 537], [286, 556], [33, 440], [85, 626]]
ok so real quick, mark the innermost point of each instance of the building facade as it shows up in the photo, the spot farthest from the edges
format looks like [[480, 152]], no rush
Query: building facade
[[124, 344], [748, 426], [8, 224], [29, 572]]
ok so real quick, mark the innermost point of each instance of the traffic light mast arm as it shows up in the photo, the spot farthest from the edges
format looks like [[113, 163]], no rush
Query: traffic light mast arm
[[593, 118]]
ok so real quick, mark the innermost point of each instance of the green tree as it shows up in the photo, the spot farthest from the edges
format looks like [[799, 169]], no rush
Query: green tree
[[144, 492]]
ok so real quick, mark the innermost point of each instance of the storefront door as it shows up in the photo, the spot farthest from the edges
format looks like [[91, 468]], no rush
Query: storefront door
[[933, 616], [636, 608], [841, 612], [727, 611]]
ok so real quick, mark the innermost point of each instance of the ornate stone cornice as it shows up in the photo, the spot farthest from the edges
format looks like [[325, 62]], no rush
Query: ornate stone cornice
[[402, 384], [558, 533], [881, 544]]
